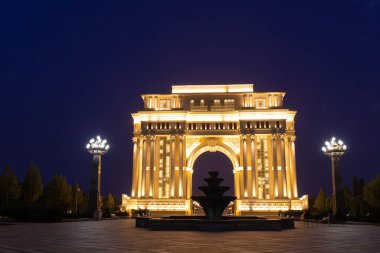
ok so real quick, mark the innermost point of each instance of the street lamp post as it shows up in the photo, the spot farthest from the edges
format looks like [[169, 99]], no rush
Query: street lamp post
[[335, 149], [97, 147], [76, 199]]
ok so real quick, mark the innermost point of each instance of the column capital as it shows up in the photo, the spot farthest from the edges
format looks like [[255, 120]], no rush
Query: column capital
[[274, 137], [153, 138], [252, 137], [244, 137], [172, 137], [181, 137], [282, 137], [135, 140], [292, 138]]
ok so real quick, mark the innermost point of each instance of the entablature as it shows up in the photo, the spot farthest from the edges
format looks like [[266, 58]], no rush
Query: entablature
[[243, 127], [263, 127], [234, 116]]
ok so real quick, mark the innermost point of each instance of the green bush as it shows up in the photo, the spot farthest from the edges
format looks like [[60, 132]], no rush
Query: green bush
[[75, 216], [140, 212], [122, 214], [291, 213]]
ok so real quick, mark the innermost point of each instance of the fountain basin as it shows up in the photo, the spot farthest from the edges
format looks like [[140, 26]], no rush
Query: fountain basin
[[213, 204], [227, 223]]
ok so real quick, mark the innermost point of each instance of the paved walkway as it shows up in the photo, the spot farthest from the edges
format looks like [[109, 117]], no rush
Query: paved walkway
[[122, 236]]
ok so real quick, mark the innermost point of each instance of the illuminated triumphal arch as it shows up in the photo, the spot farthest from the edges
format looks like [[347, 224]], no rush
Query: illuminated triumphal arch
[[252, 129]]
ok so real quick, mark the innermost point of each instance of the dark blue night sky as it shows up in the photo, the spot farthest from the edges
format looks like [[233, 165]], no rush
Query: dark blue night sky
[[70, 70]]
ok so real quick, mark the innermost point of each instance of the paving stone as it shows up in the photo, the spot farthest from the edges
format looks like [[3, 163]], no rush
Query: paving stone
[[122, 236]]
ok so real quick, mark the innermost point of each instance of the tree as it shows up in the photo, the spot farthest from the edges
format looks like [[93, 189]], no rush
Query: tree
[[109, 205], [321, 203], [371, 195], [347, 196], [356, 207], [328, 205], [32, 186], [57, 193], [79, 200], [311, 201], [10, 187]]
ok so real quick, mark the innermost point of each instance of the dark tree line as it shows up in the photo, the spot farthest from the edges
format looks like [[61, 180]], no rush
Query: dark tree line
[[29, 199], [362, 203]]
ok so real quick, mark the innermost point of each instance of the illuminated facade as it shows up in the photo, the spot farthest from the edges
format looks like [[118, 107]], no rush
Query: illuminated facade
[[252, 128]]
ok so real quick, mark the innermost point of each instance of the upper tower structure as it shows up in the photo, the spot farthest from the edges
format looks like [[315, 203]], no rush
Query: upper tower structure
[[213, 97]]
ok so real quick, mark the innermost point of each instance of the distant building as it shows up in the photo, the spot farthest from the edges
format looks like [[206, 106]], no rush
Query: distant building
[[252, 129]]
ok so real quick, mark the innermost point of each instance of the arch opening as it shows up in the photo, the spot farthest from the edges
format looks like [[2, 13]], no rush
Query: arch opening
[[213, 161]]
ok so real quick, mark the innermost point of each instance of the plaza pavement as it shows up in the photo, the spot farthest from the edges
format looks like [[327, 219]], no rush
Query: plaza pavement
[[122, 236]]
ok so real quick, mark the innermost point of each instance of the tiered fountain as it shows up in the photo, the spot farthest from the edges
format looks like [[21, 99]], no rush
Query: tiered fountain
[[213, 204]]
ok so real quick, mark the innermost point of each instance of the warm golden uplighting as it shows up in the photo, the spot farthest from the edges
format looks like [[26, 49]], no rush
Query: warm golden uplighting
[[252, 129], [222, 88]]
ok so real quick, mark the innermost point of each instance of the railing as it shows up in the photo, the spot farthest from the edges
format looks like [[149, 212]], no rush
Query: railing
[[220, 108], [213, 108], [199, 108]]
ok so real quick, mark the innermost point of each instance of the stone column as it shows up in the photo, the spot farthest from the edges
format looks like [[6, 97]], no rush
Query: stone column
[[269, 158], [283, 166], [253, 167], [143, 172], [172, 166], [152, 164], [274, 159], [180, 181], [156, 167], [189, 184], [135, 169], [184, 183], [139, 167], [293, 166], [245, 170], [237, 183], [288, 175]]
